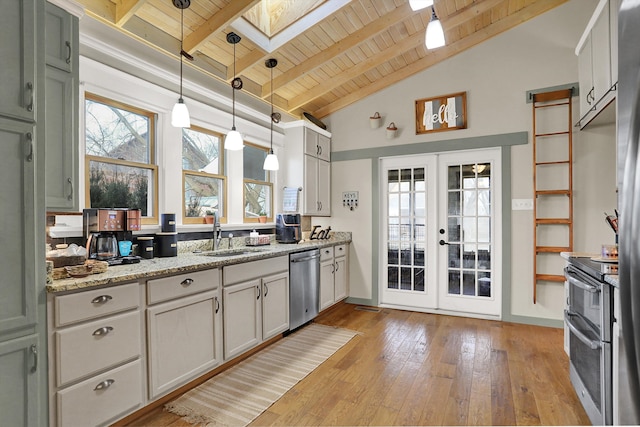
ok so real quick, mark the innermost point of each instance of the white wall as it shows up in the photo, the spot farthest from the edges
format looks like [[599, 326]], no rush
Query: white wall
[[496, 76]]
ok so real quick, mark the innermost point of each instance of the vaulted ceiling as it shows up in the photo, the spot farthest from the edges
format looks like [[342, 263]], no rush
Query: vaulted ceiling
[[331, 53]]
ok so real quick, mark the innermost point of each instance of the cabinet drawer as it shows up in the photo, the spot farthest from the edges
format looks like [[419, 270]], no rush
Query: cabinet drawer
[[254, 269], [340, 250], [97, 303], [326, 254], [182, 285], [86, 349], [102, 399]]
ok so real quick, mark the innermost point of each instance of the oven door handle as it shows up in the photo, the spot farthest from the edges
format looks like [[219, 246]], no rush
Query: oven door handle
[[585, 286], [593, 344]]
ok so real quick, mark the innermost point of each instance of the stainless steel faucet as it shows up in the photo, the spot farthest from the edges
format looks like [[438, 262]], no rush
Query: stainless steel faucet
[[217, 233], [230, 240]]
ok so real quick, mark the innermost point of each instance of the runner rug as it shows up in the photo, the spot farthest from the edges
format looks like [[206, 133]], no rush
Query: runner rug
[[238, 395]]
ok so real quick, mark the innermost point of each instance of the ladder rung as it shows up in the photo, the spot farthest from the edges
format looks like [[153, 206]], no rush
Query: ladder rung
[[551, 134], [560, 162], [557, 104], [553, 221], [552, 96], [550, 277], [552, 192], [552, 249]]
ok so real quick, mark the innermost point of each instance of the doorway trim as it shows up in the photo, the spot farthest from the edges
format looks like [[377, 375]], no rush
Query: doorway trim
[[503, 141]]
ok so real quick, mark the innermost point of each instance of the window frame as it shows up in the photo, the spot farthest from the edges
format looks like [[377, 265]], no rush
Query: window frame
[[152, 165], [221, 166], [269, 183]]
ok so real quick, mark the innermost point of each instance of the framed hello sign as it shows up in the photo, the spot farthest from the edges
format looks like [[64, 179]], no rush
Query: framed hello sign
[[441, 113]]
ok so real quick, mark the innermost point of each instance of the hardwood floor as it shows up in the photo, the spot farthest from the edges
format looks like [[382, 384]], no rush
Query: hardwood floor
[[408, 368]]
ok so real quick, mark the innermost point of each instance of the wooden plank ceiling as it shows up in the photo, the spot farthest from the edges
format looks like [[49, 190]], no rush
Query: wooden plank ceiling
[[330, 53]]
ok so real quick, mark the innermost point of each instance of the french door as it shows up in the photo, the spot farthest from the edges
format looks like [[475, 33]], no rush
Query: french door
[[440, 228]]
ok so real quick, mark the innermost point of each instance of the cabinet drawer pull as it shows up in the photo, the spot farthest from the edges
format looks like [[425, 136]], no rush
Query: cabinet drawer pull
[[104, 384], [217, 304], [258, 288], [102, 331], [337, 266], [101, 299], [70, 196], [266, 290], [186, 282], [68, 44]]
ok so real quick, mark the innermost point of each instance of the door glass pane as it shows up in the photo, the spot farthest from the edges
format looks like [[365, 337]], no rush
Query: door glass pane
[[392, 277], [405, 278], [469, 222], [405, 180], [419, 182], [419, 280]]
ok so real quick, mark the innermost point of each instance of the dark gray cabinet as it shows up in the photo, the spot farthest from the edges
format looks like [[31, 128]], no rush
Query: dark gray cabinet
[[61, 110]]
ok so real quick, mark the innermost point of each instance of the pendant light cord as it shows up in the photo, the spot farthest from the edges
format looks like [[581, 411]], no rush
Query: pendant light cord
[[271, 121], [233, 103], [181, 47]]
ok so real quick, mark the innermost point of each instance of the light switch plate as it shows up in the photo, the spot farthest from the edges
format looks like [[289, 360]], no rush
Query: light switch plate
[[522, 204]]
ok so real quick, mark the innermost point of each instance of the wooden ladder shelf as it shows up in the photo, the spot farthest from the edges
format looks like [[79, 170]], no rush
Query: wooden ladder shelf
[[553, 163]]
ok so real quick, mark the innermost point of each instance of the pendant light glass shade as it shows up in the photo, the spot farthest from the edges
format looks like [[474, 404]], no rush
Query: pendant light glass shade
[[435, 35], [271, 161], [180, 113], [233, 141], [419, 4]]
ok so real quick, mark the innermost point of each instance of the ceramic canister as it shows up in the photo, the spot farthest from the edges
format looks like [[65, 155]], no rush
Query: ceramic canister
[[145, 247], [167, 244], [168, 221]]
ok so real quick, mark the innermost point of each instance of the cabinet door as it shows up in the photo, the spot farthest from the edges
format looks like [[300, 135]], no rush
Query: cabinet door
[[18, 53], [18, 299], [59, 45], [613, 36], [327, 289], [242, 318], [310, 185], [324, 188], [324, 148], [61, 163], [311, 142], [585, 77], [341, 279], [601, 51], [275, 305], [181, 340], [19, 397]]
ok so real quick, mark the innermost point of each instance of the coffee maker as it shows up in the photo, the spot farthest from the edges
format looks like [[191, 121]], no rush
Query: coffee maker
[[105, 228], [288, 228]]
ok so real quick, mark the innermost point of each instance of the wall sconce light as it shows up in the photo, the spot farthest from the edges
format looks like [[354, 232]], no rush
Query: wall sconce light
[[233, 140]]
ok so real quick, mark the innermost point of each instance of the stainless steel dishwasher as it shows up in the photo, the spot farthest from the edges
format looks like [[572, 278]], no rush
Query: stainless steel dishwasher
[[304, 287]]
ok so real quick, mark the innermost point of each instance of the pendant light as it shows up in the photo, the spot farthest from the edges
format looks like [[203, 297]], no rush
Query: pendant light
[[271, 161], [180, 113], [435, 35], [419, 4], [233, 140]]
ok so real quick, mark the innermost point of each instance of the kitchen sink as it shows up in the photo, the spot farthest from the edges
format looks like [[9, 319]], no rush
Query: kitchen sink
[[230, 252]]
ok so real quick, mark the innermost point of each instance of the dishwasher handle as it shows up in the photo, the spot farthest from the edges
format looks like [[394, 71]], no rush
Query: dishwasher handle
[[307, 258]]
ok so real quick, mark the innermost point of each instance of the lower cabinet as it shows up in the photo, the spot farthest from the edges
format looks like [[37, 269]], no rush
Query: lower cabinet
[[183, 333], [256, 303], [20, 380], [334, 276]]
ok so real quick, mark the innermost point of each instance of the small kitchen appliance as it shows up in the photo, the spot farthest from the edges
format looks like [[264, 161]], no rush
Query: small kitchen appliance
[[105, 228], [288, 229]]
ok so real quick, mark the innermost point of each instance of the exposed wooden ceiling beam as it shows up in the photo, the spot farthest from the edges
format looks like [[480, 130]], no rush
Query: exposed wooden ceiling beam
[[470, 12], [370, 30], [217, 22], [125, 9], [468, 42], [380, 58], [101, 9], [247, 62]]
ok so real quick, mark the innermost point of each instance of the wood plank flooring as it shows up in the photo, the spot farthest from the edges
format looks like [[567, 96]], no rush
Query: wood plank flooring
[[408, 368]]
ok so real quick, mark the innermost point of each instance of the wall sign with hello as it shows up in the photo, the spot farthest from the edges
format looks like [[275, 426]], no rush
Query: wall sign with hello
[[441, 113]]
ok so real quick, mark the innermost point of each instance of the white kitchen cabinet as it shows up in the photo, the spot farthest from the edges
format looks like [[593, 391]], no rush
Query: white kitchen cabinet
[[308, 166], [334, 279], [255, 303], [95, 355], [20, 382], [597, 61], [183, 329], [61, 110]]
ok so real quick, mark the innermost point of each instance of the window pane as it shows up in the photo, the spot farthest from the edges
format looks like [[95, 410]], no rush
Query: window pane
[[257, 199], [201, 152], [117, 133], [203, 194], [253, 163], [117, 186]]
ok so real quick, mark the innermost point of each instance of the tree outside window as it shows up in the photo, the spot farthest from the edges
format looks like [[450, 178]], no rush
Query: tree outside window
[[258, 190], [120, 158]]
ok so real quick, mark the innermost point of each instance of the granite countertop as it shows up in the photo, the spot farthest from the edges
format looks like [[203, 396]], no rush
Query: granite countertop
[[189, 261]]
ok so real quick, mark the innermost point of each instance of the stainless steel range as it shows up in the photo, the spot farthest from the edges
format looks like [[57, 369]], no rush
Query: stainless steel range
[[589, 318]]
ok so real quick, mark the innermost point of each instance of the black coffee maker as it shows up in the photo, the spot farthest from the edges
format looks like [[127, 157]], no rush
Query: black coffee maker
[[288, 229]]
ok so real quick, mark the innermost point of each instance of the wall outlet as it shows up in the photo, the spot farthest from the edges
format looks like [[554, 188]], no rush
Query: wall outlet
[[522, 204]]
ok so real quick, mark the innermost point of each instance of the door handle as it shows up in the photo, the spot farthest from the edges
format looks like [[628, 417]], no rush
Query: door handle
[[217, 304], [258, 288], [266, 290], [442, 242], [68, 44], [70, 196]]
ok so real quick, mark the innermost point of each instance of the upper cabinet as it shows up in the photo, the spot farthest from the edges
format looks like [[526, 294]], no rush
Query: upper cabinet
[[308, 167], [598, 61], [61, 109], [18, 70]]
